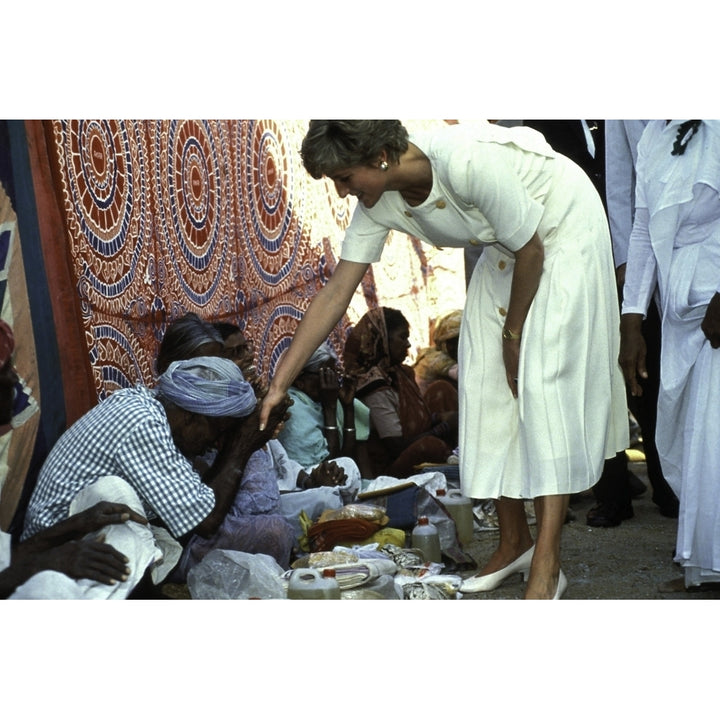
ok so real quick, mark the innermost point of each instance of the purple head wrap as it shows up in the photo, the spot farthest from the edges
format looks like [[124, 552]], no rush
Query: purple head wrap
[[211, 386]]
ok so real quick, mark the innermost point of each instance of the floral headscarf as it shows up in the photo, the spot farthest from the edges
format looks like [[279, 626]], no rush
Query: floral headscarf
[[447, 328], [367, 358], [367, 355]]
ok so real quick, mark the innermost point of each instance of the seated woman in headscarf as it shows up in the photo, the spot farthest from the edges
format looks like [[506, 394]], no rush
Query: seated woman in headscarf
[[326, 421], [404, 432], [436, 367]]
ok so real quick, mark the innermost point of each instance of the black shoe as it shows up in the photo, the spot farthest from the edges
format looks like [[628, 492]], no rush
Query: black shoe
[[637, 486], [670, 509], [608, 514]]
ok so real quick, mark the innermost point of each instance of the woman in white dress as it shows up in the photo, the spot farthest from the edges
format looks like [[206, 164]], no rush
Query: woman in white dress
[[675, 242], [542, 402]]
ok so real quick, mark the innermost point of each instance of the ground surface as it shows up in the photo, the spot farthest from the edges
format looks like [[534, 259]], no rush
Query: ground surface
[[631, 561]]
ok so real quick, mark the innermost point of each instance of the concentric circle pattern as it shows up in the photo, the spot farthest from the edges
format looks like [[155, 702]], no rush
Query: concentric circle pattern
[[268, 208], [190, 168], [114, 359], [104, 187]]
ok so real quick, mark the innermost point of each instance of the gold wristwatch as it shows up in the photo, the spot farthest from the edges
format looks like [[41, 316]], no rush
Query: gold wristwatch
[[510, 335]]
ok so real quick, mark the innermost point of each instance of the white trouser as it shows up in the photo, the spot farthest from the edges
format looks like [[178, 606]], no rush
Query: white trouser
[[143, 545]]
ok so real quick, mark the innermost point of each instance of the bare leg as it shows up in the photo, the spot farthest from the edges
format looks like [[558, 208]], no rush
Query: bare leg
[[550, 513], [515, 537]]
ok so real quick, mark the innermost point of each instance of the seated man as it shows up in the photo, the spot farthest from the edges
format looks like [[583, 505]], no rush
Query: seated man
[[133, 448], [263, 517], [58, 548], [62, 549]]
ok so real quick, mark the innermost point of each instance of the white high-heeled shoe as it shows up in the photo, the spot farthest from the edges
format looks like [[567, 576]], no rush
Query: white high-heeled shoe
[[484, 583], [561, 586]]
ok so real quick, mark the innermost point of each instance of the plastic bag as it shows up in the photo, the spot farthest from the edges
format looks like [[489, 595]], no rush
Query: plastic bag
[[429, 587], [235, 575], [356, 512]]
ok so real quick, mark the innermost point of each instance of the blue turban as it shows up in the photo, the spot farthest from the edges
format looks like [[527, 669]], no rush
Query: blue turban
[[320, 358], [211, 386]]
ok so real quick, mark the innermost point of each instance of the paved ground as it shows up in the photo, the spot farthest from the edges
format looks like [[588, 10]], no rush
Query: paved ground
[[631, 561]]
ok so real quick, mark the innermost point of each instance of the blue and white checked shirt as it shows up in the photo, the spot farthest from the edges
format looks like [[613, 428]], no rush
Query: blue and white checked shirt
[[128, 435]]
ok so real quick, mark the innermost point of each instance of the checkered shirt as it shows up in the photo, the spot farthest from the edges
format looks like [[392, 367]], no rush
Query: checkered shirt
[[127, 435]]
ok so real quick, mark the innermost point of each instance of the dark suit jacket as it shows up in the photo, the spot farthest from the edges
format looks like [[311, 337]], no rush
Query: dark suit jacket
[[568, 138]]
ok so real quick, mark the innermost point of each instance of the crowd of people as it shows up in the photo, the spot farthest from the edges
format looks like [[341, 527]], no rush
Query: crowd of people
[[582, 305]]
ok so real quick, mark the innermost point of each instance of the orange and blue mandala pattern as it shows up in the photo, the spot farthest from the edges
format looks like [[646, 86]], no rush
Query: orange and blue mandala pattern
[[218, 217]]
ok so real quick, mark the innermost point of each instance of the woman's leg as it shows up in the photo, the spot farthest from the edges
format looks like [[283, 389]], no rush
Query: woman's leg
[[515, 537], [550, 513]]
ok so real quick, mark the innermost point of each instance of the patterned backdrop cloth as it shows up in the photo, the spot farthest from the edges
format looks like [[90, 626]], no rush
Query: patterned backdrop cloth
[[162, 217]]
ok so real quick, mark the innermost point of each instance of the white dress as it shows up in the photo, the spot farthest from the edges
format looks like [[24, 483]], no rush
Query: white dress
[[498, 186], [676, 242]]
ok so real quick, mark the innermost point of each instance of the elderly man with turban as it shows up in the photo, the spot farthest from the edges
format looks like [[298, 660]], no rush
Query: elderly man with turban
[[134, 448]]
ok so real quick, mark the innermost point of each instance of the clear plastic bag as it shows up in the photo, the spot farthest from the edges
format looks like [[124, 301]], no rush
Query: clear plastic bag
[[235, 575]]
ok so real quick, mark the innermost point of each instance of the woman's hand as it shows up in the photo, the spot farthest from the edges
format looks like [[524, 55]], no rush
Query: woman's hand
[[529, 261], [633, 352], [511, 358], [276, 415], [711, 323], [275, 397]]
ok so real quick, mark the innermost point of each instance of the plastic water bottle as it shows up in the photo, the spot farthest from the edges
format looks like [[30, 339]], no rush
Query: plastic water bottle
[[309, 584], [425, 538], [460, 509]]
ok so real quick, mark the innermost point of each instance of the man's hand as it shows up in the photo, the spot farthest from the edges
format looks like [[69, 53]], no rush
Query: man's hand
[[89, 559], [74, 527], [711, 323], [633, 352], [328, 474], [105, 513]]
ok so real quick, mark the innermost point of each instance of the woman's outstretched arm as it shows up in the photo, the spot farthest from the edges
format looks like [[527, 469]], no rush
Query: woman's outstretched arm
[[324, 313]]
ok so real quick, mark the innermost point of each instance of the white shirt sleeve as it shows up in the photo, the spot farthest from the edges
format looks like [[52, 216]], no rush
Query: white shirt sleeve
[[621, 139], [641, 272], [619, 174], [364, 239]]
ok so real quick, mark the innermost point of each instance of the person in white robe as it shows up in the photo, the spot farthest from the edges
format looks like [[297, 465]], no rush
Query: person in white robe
[[675, 243]]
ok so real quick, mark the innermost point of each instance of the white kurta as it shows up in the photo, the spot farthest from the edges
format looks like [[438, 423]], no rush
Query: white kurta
[[676, 242], [498, 186]]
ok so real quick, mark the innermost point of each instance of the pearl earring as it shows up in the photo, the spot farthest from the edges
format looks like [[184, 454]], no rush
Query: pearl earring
[[383, 166]]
